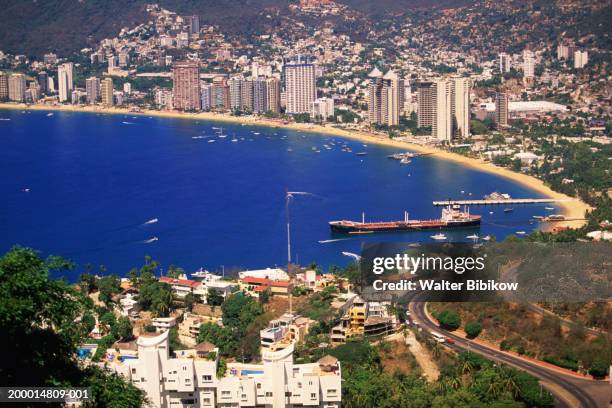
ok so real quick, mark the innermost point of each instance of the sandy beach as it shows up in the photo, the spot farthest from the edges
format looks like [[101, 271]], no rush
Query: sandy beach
[[572, 208]]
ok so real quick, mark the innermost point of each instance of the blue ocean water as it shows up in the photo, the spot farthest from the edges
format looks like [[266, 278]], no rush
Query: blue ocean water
[[95, 180]]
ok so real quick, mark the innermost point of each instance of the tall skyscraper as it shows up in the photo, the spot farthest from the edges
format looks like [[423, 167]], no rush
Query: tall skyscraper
[[92, 87], [460, 106], [220, 94], [237, 85], [17, 87], [300, 85], [34, 91], [385, 99], [442, 126], [247, 95], [106, 91], [375, 96], [186, 85], [273, 88], [504, 63], [4, 89], [206, 96], [528, 66], [194, 24], [501, 109], [425, 107], [260, 95], [64, 81], [43, 80]]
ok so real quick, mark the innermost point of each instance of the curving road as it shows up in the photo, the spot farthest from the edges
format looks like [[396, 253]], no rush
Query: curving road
[[569, 391]]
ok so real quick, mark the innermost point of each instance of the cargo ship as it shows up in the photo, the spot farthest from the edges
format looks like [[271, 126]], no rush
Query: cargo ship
[[451, 218]]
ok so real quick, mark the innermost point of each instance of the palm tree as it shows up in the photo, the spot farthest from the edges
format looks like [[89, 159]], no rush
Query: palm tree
[[436, 350], [467, 367]]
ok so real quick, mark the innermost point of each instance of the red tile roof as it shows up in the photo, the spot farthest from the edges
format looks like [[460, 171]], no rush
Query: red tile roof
[[249, 280], [180, 282]]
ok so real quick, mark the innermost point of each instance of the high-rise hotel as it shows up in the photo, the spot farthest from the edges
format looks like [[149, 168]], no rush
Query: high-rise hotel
[[385, 97], [444, 104], [300, 85], [64, 81], [186, 85]]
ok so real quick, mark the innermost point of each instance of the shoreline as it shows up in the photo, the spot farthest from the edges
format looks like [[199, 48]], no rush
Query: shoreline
[[574, 208]]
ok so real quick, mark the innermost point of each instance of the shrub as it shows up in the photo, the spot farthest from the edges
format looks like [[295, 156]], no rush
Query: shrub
[[150, 328], [598, 369], [473, 329], [449, 319], [504, 345]]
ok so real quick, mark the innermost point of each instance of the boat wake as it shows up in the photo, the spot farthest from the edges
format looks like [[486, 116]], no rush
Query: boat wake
[[151, 221], [327, 241], [128, 123], [150, 241]]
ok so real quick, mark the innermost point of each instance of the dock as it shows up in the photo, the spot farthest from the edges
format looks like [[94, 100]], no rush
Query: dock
[[508, 201]]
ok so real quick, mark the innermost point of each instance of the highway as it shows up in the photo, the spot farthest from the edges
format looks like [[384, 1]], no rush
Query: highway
[[568, 391]]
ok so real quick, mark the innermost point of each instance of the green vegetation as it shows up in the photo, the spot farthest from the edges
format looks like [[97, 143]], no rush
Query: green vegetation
[[242, 319], [39, 316], [448, 319], [473, 329], [214, 297], [467, 380]]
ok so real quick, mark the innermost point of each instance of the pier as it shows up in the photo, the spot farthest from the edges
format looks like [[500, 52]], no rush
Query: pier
[[502, 202]]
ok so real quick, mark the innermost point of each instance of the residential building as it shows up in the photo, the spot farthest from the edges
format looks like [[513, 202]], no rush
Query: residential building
[[322, 109], [163, 324], [17, 87], [206, 96], [256, 286], [92, 87], [442, 124], [284, 331], [268, 273], [64, 81], [50, 58], [528, 66], [186, 85], [4, 86], [300, 85], [106, 91], [181, 287], [363, 319], [43, 80], [127, 88], [460, 107], [220, 97], [425, 108], [190, 378], [163, 98], [33, 92], [563, 52], [504, 63], [236, 85], [385, 97], [273, 88], [501, 109], [260, 95], [124, 59], [581, 58]]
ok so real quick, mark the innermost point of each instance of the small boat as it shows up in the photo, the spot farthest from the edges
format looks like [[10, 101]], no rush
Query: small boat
[[26, 190], [414, 245], [439, 237], [486, 238], [148, 241], [234, 140], [462, 192], [549, 208], [473, 236], [5, 119], [197, 137], [405, 160], [127, 123], [537, 217], [490, 212], [520, 232], [212, 141], [361, 154], [50, 114], [256, 133], [289, 150], [508, 210], [152, 221], [216, 128]]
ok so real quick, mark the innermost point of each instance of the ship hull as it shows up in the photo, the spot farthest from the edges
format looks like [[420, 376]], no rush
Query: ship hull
[[346, 228]]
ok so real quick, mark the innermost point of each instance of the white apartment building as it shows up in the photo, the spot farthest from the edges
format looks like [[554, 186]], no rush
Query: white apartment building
[[64, 81], [190, 380], [504, 63], [581, 58], [322, 108], [300, 86], [441, 127], [528, 66]]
